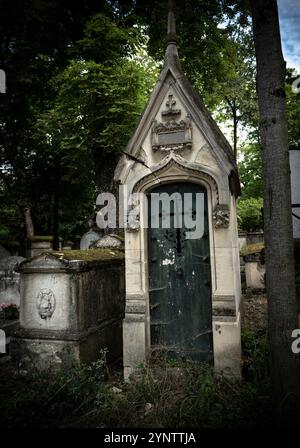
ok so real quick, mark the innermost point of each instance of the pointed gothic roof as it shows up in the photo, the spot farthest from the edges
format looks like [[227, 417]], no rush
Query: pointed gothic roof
[[172, 66]]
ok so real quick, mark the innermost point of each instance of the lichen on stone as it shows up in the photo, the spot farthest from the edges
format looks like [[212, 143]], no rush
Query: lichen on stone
[[251, 249], [90, 255]]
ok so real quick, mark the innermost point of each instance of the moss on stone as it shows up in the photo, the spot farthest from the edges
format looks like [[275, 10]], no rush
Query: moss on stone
[[90, 255], [40, 238], [251, 249]]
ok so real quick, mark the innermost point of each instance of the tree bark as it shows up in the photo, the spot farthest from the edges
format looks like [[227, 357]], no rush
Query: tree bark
[[235, 136], [105, 164], [28, 222], [55, 243], [235, 119], [56, 204], [280, 265]]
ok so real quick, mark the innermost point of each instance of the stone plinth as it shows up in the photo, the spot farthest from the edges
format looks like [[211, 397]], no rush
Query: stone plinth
[[255, 271], [40, 244], [70, 308]]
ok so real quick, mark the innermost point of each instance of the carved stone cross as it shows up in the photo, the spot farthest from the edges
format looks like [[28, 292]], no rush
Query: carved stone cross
[[170, 104]]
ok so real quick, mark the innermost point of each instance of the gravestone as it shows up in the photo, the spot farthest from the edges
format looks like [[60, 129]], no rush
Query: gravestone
[[10, 280], [182, 295], [88, 238], [107, 241]]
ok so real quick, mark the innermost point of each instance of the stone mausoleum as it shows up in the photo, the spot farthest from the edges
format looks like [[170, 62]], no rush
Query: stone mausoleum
[[182, 295]]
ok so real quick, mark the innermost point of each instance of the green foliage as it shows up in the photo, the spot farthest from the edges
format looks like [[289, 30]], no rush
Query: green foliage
[[250, 171], [235, 96], [182, 394], [104, 41], [249, 213], [54, 399], [165, 394], [216, 51], [256, 354], [74, 93], [78, 78], [38, 38], [96, 108], [204, 42]]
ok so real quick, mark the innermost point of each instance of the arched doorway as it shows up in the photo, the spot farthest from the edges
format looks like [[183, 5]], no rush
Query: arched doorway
[[180, 291]]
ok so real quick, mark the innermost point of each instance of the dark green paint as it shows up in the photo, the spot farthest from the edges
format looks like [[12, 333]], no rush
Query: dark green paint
[[180, 285]]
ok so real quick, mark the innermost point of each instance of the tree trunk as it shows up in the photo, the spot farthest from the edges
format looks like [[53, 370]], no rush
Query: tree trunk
[[55, 243], [235, 135], [55, 210], [28, 222], [280, 278], [105, 164], [235, 119]]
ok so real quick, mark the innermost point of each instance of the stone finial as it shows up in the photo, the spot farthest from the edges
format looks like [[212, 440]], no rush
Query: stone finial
[[171, 36]]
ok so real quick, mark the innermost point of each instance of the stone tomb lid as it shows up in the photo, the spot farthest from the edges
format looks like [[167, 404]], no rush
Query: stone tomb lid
[[72, 260]]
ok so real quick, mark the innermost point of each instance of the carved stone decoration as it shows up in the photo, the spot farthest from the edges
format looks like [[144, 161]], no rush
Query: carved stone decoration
[[46, 303], [170, 112], [175, 160], [133, 223], [221, 216], [172, 135]]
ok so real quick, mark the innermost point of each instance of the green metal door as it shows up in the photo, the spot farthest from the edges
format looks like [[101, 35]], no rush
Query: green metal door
[[180, 281]]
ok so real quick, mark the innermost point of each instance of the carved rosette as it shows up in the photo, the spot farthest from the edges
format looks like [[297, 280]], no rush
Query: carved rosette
[[221, 217], [46, 303]]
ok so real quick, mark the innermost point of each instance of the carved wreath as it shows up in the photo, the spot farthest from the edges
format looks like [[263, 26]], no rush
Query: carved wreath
[[46, 303]]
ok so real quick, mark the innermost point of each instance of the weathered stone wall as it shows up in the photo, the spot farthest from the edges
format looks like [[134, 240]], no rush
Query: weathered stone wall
[[70, 309], [255, 272]]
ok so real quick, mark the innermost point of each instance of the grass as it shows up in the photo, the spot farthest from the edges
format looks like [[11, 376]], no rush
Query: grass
[[174, 394]]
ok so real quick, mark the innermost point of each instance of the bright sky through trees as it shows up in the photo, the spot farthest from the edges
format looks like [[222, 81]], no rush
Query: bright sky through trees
[[289, 17]]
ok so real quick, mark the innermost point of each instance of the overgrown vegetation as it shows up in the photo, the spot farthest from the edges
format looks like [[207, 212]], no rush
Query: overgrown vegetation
[[90, 255], [173, 394], [250, 217]]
